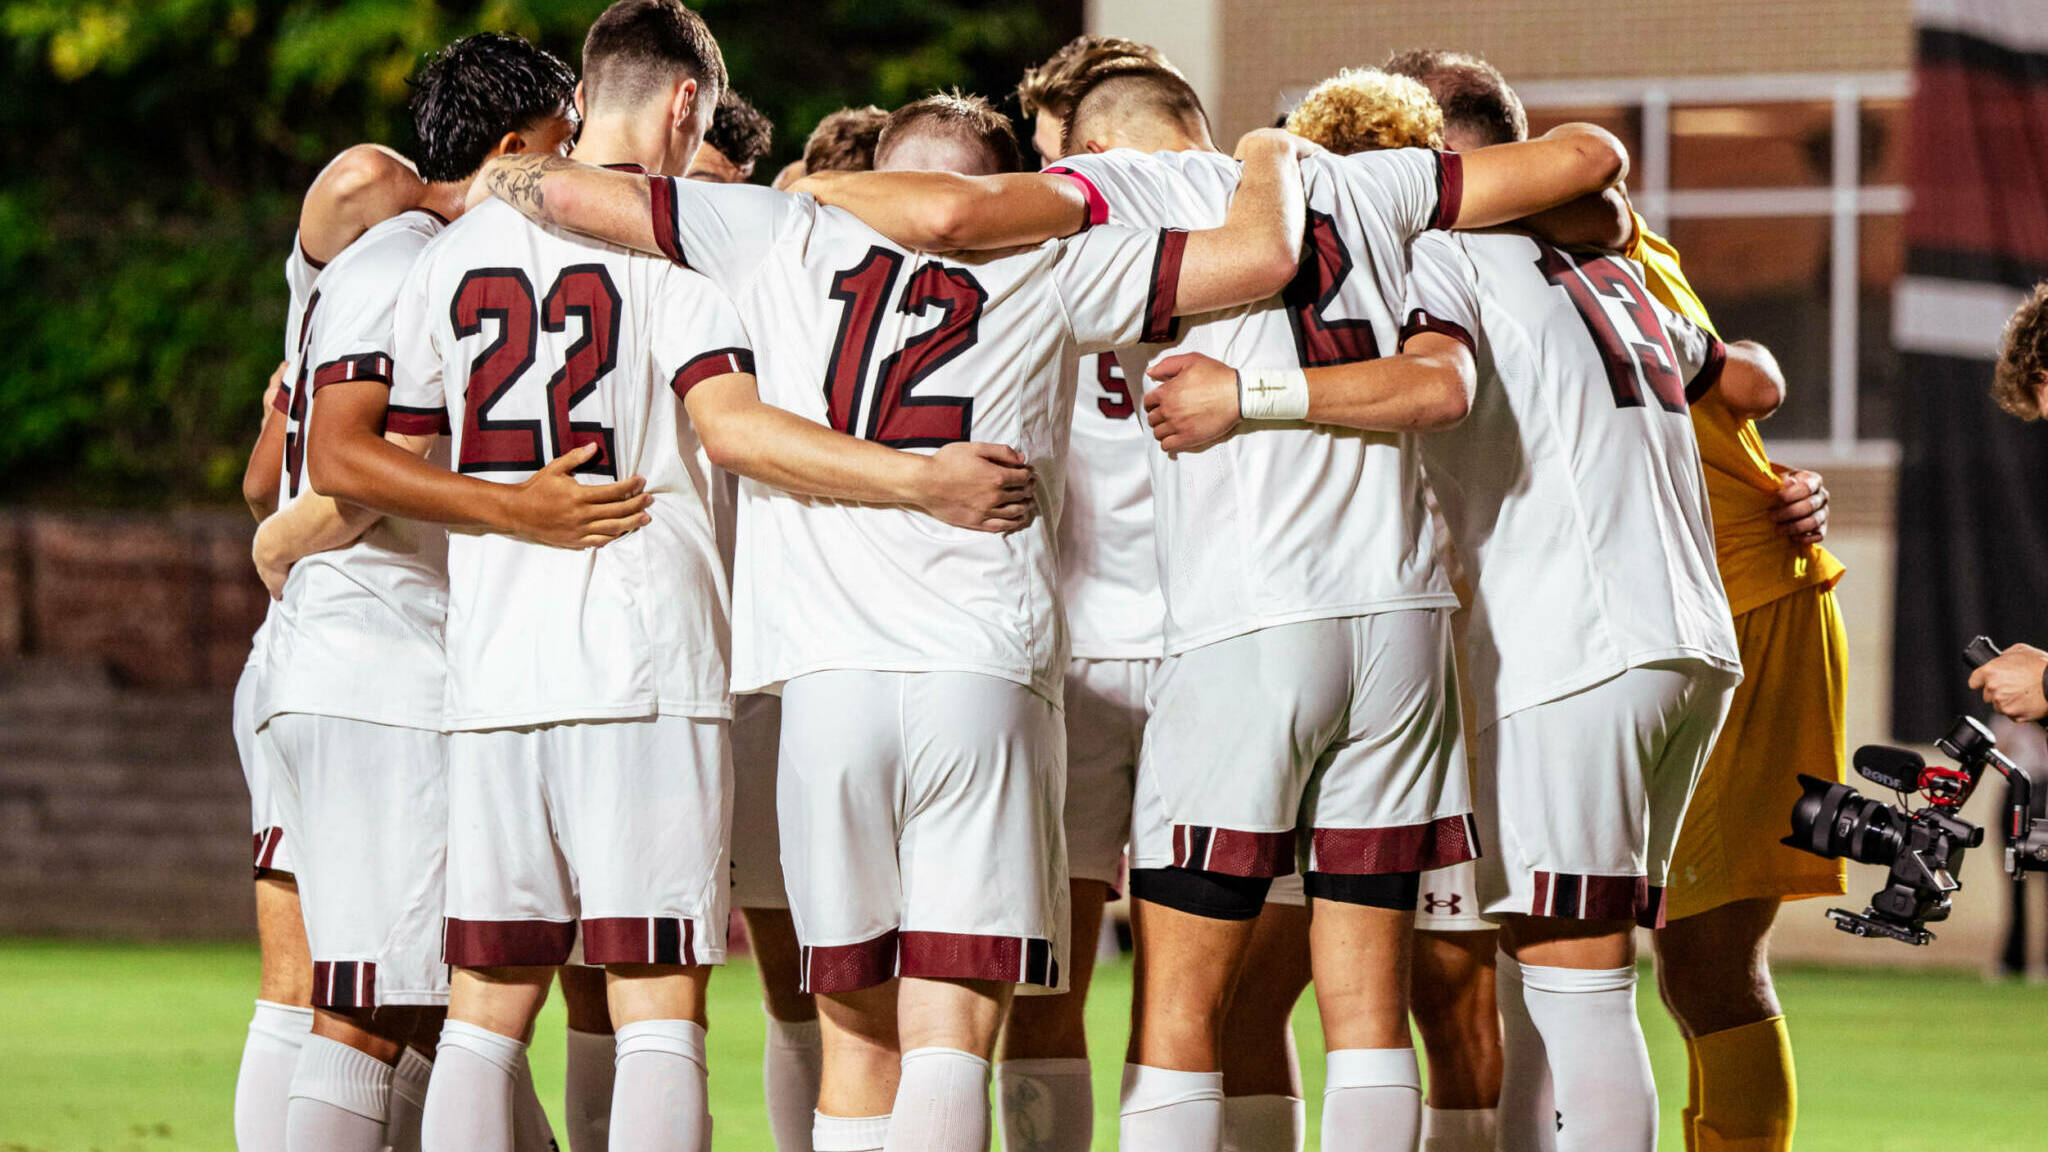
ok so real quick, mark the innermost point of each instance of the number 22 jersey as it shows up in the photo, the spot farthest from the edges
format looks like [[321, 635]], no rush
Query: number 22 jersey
[[1573, 487], [537, 342], [913, 351]]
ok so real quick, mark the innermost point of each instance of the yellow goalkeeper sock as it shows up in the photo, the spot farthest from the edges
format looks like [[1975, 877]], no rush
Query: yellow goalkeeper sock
[[1691, 1115], [1748, 1094]]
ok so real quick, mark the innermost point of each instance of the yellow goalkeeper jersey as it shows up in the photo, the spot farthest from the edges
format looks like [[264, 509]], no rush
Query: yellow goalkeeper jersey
[[1757, 565]]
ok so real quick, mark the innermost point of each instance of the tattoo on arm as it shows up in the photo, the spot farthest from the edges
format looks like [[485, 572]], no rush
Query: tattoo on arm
[[518, 181]]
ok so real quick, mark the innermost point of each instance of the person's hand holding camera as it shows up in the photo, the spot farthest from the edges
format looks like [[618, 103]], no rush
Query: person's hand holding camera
[[2012, 683]]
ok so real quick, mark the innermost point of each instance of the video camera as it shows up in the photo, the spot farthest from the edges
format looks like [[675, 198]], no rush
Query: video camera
[[1923, 847]]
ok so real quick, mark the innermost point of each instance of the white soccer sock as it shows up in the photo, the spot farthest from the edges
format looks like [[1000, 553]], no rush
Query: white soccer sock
[[1526, 1120], [1372, 1098], [408, 1101], [848, 1133], [1457, 1129], [661, 1101], [1599, 1062], [1047, 1105], [1264, 1123], [587, 1090], [339, 1098], [263, 1087], [531, 1131], [941, 1103], [790, 1066], [470, 1098], [1168, 1111]]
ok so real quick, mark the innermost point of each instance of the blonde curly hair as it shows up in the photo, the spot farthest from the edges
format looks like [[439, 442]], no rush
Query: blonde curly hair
[[2023, 357], [1362, 109]]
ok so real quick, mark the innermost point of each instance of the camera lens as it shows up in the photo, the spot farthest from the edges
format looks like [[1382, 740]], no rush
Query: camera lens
[[1834, 820]]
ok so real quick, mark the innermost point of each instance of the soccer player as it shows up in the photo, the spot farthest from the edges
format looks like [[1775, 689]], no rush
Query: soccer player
[[1116, 623], [738, 138], [920, 770], [1729, 873], [1305, 642], [348, 700]]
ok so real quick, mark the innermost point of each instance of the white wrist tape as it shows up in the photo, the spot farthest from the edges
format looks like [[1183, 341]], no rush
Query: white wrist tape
[[1272, 394]]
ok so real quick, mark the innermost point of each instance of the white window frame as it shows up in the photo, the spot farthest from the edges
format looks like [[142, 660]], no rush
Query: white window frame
[[1846, 202]]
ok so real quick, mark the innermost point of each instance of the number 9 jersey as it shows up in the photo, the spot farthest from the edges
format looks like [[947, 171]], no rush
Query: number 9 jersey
[[1574, 486], [537, 342]]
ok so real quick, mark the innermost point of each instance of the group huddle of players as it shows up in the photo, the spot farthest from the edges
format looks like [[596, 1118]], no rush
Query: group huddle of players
[[918, 553]]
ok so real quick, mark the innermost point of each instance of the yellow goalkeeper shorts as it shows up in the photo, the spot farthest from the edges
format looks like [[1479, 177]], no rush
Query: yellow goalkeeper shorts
[[1787, 718]]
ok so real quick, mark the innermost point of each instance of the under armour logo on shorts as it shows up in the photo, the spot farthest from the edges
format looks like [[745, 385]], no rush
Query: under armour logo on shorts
[[1447, 906]]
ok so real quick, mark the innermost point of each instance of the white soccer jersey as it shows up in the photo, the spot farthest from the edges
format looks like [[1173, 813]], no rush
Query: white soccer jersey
[[1287, 522], [1574, 486], [1109, 576], [300, 275], [914, 351], [358, 632], [536, 342]]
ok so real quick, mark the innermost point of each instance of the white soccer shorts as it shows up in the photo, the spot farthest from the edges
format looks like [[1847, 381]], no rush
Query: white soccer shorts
[[271, 852], [1334, 744], [1449, 900], [618, 825], [756, 845], [1580, 798], [921, 831], [1105, 710], [365, 807]]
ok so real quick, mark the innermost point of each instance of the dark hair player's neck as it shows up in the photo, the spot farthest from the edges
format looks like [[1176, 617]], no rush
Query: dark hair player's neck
[[643, 137]]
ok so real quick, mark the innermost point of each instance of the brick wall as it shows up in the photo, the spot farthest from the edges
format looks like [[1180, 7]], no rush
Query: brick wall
[[1268, 45]]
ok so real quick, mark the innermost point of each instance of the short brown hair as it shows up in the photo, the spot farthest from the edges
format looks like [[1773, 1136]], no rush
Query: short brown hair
[[739, 131], [845, 140], [1474, 95], [1363, 109], [1055, 86], [2023, 357], [635, 47], [970, 118], [1124, 88]]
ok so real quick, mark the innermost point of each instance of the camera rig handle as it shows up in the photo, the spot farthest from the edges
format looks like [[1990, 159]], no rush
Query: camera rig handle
[[1979, 652]]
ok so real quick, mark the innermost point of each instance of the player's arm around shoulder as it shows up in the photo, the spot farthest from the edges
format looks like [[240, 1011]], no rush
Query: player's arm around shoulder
[[1258, 248], [361, 187], [984, 487], [606, 204], [945, 212], [1510, 181]]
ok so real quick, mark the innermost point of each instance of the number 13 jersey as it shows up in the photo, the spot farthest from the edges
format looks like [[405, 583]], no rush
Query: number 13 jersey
[[913, 351], [1573, 487], [537, 342]]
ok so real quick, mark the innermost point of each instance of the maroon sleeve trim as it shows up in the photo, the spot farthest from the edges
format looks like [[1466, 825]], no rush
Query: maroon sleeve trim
[[369, 366], [662, 196], [718, 362], [416, 421], [1709, 374], [1419, 322], [1164, 295], [1098, 204], [315, 265], [1450, 190], [282, 401]]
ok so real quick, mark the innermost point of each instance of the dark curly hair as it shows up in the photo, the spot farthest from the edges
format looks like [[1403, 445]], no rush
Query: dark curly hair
[[739, 131], [1474, 95], [469, 94], [2023, 357]]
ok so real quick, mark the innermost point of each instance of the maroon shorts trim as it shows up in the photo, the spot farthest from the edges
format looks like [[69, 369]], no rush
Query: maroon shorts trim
[[267, 842], [1403, 848], [640, 940], [1233, 852], [961, 956], [506, 943], [1573, 896], [344, 984], [848, 967]]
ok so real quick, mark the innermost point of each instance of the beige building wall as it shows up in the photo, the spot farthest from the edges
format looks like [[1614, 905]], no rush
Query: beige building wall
[[1242, 54]]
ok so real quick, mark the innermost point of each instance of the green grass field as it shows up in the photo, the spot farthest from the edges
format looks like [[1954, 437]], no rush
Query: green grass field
[[128, 1048]]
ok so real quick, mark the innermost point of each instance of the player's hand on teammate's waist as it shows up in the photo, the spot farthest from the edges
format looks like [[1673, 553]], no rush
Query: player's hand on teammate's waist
[[270, 567], [1192, 403], [552, 507], [1802, 511], [270, 390], [986, 487], [2012, 683]]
